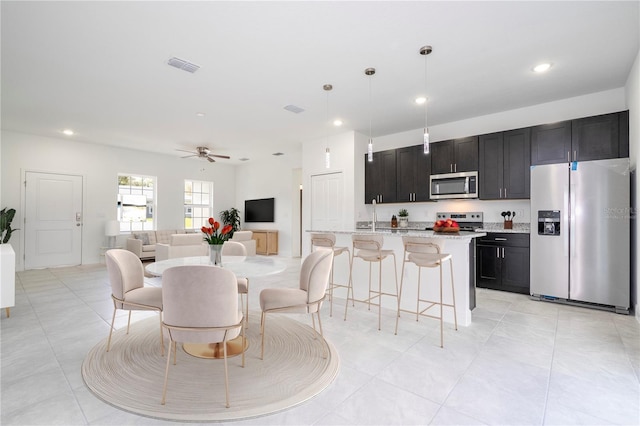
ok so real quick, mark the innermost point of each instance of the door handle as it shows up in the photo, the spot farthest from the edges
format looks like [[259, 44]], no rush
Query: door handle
[[500, 193], [505, 193], [503, 252], [498, 252]]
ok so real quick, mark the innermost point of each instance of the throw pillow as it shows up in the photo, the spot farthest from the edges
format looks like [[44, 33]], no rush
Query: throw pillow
[[143, 237]]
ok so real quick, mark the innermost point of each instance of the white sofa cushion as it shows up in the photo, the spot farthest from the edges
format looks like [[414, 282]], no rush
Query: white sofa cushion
[[186, 239]]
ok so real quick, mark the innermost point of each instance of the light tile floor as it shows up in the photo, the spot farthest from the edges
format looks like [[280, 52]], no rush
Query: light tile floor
[[521, 362]]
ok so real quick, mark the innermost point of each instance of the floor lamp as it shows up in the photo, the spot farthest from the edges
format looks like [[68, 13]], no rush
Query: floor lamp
[[112, 230]]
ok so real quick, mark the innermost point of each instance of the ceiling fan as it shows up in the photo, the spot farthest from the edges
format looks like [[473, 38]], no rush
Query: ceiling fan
[[203, 152]]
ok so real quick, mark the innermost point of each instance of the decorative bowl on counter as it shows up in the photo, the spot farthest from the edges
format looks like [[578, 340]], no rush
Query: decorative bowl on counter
[[446, 229]]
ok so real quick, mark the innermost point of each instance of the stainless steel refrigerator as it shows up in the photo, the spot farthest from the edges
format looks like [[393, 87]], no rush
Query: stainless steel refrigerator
[[580, 233]]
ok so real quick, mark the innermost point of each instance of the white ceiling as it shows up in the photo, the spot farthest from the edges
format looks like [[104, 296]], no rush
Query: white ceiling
[[101, 69]]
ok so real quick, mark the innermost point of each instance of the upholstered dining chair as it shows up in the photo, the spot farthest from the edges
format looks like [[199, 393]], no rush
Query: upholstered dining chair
[[232, 248], [201, 306], [126, 275], [314, 279]]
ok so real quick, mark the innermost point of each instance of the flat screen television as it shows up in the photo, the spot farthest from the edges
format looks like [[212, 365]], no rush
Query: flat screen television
[[261, 210]]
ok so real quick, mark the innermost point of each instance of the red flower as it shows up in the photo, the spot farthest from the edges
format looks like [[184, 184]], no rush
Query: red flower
[[212, 236]]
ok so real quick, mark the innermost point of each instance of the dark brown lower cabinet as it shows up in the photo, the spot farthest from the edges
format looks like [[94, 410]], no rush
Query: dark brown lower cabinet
[[503, 262]]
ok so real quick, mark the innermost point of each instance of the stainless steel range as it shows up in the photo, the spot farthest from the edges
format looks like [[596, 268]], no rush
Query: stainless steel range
[[468, 221]]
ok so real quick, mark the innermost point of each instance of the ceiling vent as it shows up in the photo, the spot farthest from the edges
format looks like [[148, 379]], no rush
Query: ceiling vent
[[294, 109], [243, 159], [277, 154], [183, 65]]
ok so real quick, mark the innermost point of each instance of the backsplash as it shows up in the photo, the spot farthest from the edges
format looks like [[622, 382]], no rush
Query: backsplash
[[425, 213]]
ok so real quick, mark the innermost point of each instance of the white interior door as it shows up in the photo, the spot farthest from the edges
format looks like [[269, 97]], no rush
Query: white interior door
[[327, 202], [53, 226]]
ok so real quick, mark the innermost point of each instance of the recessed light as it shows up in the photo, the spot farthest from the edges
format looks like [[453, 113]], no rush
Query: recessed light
[[421, 100], [68, 132], [200, 114], [542, 67], [337, 123]]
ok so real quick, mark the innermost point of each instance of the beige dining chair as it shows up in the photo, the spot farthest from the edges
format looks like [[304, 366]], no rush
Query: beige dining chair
[[328, 240], [232, 248], [314, 279], [201, 306], [126, 275], [428, 253]]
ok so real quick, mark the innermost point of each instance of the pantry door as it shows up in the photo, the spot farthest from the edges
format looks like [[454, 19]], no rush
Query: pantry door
[[327, 204], [53, 225]]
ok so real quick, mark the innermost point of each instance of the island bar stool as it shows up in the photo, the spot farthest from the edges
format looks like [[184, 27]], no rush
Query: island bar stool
[[427, 253], [368, 247], [327, 240]]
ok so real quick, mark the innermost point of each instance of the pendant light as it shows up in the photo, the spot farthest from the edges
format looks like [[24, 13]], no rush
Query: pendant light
[[425, 50], [327, 154], [370, 72]]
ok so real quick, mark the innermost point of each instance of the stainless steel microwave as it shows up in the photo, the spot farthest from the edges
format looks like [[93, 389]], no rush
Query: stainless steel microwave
[[454, 185]]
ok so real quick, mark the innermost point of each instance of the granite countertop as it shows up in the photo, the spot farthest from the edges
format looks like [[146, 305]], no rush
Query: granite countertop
[[400, 232], [518, 228]]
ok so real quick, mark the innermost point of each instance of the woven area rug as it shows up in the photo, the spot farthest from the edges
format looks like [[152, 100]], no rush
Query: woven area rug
[[297, 366]]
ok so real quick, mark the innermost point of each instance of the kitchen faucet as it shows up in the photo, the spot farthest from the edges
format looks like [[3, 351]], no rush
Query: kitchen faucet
[[373, 219]]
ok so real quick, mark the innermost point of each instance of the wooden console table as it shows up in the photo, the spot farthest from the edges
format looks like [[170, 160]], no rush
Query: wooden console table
[[266, 241]]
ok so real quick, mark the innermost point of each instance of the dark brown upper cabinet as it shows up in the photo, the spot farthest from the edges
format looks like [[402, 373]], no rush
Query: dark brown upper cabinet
[[456, 155]]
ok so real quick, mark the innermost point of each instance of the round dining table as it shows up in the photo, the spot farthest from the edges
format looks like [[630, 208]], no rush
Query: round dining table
[[242, 266]]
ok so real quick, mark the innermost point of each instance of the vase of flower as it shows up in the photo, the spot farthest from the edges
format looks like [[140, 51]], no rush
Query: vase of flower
[[216, 237], [215, 254]]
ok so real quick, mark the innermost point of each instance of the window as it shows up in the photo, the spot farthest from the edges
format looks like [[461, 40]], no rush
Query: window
[[136, 202], [198, 203]]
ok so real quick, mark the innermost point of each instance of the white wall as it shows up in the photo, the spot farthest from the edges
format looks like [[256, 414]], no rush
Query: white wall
[[100, 165], [342, 148], [633, 104], [278, 177]]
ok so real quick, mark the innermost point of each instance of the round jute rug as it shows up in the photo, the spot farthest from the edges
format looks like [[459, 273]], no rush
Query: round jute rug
[[297, 366]]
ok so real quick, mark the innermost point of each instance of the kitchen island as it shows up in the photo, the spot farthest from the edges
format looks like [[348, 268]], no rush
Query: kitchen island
[[460, 246]]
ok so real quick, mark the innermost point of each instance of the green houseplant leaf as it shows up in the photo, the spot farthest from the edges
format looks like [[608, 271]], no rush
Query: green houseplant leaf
[[6, 216], [231, 217]]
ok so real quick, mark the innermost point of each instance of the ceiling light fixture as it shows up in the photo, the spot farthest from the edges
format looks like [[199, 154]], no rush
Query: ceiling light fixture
[[421, 100], [200, 114], [337, 123], [327, 154], [425, 50], [542, 67], [68, 132], [370, 72]]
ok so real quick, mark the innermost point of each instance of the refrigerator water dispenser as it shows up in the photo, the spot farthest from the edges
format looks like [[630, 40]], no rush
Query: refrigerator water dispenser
[[548, 222]]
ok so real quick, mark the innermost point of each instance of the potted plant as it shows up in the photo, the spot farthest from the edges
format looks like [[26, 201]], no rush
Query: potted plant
[[6, 216], [403, 218], [231, 217]]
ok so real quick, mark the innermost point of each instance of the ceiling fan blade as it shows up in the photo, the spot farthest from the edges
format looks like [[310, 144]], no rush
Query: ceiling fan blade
[[184, 150], [187, 156], [211, 160], [220, 156]]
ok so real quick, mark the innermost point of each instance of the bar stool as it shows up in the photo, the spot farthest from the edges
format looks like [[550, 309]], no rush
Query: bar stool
[[369, 249], [427, 253], [327, 240]]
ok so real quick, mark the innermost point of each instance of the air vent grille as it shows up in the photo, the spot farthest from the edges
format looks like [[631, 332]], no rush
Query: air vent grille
[[183, 65], [294, 109]]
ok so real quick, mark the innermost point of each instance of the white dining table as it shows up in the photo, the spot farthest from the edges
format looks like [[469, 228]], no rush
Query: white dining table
[[242, 266]]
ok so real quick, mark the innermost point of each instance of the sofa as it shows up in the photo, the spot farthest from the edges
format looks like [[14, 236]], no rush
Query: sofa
[[143, 243], [182, 245], [246, 239]]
